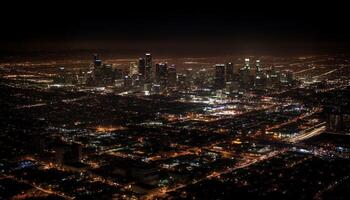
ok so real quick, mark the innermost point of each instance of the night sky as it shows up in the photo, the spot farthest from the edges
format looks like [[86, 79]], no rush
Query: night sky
[[177, 28]]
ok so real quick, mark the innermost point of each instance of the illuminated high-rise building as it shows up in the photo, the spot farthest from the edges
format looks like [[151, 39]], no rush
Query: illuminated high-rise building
[[203, 78], [260, 77], [133, 69], [172, 78], [134, 73], [157, 73], [219, 80], [257, 67], [148, 68], [102, 74], [246, 64], [97, 61], [161, 74], [244, 75], [127, 81], [229, 72], [142, 67], [189, 78], [182, 82], [275, 76]]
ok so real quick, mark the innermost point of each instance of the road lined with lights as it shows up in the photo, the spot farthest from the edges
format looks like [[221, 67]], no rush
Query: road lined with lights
[[306, 134], [162, 192]]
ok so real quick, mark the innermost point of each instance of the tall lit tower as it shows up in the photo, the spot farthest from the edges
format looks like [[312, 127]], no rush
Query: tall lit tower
[[142, 69], [162, 74], [229, 72], [257, 67], [148, 68], [260, 77], [219, 76], [97, 61], [245, 74], [133, 69], [246, 64], [172, 78]]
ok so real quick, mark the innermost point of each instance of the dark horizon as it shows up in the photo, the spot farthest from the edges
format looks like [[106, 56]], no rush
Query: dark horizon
[[175, 29]]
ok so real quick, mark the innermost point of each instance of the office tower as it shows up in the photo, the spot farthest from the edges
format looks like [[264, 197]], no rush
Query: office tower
[[181, 82], [82, 77], [257, 67], [127, 81], [229, 72], [229, 87], [97, 61], [189, 78], [148, 68], [106, 71], [244, 75], [148, 60], [134, 73], [133, 69], [234, 87], [260, 82], [157, 73], [260, 78], [172, 78], [102, 74], [273, 78], [246, 64], [161, 75], [202, 79], [142, 67], [219, 76]]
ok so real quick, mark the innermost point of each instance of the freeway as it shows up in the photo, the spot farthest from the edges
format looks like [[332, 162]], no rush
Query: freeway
[[306, 134], [327, 73]]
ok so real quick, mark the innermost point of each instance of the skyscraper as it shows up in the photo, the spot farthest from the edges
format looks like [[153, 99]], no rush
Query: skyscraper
[[161, 74], [246, 64], [142, 67], [273, 78], [182, 82], [219, 76], [260, 77], [229, 72], [245, 75], [97, 61], [133, 69], [257, 67], [148, 68], [189, 77], [172, 78], [127, 82]]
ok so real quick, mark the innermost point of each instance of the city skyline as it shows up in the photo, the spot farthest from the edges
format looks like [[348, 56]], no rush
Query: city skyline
[[176, 100]]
